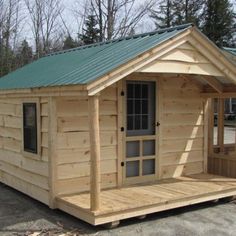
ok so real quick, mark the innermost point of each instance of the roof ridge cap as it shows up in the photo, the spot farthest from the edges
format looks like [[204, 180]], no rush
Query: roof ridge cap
[[159, 31]]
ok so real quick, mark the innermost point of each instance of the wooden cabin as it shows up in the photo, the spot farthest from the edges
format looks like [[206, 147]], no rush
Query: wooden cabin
[[120, 129]]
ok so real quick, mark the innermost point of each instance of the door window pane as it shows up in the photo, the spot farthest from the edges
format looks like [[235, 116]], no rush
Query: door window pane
[[137, 122], [137, 107], [140, 104], [148, 147], [137, 91], [130, 123], [130, 90], [132, 168], [132, 149], [145, 122], [148, 167], [144, 106], [130, 107], [144, 91]]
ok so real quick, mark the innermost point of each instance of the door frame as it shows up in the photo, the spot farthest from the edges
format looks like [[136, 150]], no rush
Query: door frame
[[121, 180]]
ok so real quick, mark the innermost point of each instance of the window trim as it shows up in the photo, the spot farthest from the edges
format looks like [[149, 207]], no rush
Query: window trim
[[38, 126]]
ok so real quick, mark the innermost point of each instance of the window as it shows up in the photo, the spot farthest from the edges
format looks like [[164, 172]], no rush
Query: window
[[30, 127], [224, 130], [140, 108]]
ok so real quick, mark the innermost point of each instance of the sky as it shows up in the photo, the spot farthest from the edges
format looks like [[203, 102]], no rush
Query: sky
[[146, 25]]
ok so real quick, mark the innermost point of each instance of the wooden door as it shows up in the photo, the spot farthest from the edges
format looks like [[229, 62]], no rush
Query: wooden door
[[140, 147]]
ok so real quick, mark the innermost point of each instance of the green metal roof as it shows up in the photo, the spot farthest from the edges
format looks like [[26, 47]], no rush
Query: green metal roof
[[231, 50], [87, 63]]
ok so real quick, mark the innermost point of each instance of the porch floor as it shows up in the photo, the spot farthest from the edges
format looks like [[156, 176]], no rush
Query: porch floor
[[138, 200]]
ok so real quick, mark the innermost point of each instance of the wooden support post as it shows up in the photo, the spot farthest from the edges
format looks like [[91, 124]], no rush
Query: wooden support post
[[206, 132], [52, 150], [221, 111], [121, 134], [95, 175], [210, 126]]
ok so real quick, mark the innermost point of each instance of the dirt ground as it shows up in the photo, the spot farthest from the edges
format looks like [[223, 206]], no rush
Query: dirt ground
[[21, 215]]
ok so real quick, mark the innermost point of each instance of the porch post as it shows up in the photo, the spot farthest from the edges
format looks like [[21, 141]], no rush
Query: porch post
[[221, 113], [95, 175]]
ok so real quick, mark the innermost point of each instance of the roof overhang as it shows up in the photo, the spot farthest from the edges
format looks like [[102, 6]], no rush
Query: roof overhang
[[194, 37]]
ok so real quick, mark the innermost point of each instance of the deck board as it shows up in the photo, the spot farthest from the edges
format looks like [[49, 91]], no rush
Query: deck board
[[166, 194]]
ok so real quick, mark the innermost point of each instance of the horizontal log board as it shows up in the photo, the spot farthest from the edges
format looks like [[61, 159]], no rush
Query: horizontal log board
[[10, 109], [182, 145], [183, 67], [74, 170], [26, 163], [26, 173], [73, 142], [181, 158], [183, 131], [187, 55], [78, 107], [179, 119], [181, 169], [25, 187], [83, 155], [182, 127], [80, 123], [182, 106], [82, 184]]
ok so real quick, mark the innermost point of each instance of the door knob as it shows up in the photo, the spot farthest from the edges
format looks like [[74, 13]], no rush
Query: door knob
[[157, 124]]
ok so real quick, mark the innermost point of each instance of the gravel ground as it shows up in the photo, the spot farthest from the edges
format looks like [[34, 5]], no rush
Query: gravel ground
[[21, 215]]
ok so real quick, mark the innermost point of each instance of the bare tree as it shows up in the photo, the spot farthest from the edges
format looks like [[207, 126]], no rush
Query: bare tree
[[117, 18], [10, 19], [46, 23]]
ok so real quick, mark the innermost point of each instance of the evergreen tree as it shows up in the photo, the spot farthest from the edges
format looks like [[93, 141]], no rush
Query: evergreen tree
[[177, 12], [164, 15], [6, 60], [219, 23], [90, 31], [24, 55], [187, 11], [69, 42]]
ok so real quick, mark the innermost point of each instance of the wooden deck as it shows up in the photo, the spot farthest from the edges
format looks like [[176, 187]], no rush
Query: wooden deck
[[132, 201]]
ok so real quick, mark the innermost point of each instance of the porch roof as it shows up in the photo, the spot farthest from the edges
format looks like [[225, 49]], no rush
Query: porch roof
[[85, 64], [97, 66], [231, 50]]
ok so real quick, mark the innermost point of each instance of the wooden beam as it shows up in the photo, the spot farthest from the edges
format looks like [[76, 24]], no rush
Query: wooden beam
[[207, 105], [52, 150], [95, 170], [214, 83], [210, 126], [220, 136], [46, 91], [227, 88], [218, 95]]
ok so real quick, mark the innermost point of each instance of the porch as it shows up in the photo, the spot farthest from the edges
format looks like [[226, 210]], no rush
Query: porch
[[139, 200]]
